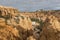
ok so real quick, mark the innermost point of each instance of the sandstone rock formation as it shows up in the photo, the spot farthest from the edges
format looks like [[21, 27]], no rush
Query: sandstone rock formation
[[15, 25], [51, 25]]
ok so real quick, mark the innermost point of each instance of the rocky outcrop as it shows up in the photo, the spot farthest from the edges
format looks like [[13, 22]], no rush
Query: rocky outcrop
[[51, 29], [13, 26]]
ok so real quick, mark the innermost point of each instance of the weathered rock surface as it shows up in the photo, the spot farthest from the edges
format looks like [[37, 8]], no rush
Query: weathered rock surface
[[15, 25], [51, 29], [51, 25]]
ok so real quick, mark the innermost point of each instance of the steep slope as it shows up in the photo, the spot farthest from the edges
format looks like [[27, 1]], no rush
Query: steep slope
[[49, 28], [13, 26]]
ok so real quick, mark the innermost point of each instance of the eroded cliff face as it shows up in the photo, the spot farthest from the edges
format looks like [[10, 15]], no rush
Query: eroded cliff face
[[15, 25], [49, 28]]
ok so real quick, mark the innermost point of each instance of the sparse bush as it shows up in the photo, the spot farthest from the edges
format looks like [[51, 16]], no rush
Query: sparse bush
[[35, 19], [22, 17]]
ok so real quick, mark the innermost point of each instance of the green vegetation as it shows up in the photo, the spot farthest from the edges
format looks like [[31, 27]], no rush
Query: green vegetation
[[38, 21], [22, 17], [35, 19]]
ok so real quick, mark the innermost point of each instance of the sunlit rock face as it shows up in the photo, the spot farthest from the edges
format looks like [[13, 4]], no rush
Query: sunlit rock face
[[13, 26], [12, 17], [51, 25], [51, 29], [55, 23]]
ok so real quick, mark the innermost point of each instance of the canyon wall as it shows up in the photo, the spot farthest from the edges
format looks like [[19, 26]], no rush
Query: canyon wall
[[16, 25]]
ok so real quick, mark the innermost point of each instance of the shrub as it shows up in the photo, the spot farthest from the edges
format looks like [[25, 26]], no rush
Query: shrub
[[35, 19]]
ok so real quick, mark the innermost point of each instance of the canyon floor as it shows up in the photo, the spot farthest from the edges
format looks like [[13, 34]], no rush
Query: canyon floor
[[38, 25]]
